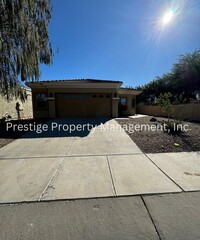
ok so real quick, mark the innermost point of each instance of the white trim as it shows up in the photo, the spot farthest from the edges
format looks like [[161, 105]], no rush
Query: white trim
[[50, 98], [115, 98], [129, 92]]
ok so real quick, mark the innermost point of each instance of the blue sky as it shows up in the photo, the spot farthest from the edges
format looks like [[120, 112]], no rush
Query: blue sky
[[120, 39]]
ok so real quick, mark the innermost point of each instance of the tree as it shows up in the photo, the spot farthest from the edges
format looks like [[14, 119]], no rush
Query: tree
[[164, 101], [183, 81], [24, 41], [187, 72]]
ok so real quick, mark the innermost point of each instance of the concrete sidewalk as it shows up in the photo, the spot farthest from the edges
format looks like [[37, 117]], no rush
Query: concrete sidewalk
[[103, 164], [40, 179], [160, 217]]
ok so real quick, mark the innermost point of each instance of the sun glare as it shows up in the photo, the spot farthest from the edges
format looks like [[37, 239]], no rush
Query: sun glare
[[167, 17]]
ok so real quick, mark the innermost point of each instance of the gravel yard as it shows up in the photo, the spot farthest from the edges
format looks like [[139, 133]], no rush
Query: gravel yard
[[161, 141]]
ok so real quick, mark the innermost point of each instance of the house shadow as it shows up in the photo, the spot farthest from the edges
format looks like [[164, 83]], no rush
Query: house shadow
[[45, 128]]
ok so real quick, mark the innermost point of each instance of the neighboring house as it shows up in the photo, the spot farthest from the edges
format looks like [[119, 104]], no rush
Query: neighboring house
[[81, 98]]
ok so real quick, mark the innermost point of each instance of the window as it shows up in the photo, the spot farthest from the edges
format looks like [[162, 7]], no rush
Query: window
[[41, 100], [100, 96], [107, 96], [115, 95], [123, 101], [94, 96]]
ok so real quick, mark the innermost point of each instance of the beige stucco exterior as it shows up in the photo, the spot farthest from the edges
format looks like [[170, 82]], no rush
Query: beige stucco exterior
[[81, 98], [8, 107]]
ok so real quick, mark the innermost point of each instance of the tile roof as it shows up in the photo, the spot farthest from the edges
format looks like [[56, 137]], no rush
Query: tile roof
[[126, 88], [78, 81]]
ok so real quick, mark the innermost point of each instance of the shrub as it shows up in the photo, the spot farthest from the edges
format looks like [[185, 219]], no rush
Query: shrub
[[164, 101]]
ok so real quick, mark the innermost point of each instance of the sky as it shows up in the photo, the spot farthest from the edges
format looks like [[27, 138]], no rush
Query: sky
[[123, 40]]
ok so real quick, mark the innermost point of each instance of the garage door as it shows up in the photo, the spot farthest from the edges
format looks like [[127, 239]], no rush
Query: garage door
[[83, 105]]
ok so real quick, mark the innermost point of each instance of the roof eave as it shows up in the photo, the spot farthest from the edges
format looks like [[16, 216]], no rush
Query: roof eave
[[129, 91]]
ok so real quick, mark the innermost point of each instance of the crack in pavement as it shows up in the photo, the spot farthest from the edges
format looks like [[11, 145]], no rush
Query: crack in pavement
[[54, 174]]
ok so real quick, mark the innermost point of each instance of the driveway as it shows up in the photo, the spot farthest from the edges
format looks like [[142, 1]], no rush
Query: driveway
[[103, 162], [56, 142]]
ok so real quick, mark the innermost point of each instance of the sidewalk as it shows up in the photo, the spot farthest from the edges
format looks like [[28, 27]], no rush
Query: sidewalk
[[164, 217]]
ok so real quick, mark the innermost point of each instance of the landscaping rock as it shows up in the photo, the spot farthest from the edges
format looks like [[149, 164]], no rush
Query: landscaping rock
[[153, 120]]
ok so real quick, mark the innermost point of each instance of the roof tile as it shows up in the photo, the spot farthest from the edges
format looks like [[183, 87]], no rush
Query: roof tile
[[79, 80]]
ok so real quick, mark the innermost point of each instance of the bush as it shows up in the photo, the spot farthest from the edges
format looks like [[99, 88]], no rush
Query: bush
[[164, 101], [173, 127]]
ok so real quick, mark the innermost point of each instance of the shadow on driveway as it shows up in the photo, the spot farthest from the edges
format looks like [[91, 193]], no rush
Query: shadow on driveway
[[64, 127]]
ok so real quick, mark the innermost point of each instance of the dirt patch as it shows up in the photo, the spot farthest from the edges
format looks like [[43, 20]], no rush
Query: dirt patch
[[8, 136], [161, 141]]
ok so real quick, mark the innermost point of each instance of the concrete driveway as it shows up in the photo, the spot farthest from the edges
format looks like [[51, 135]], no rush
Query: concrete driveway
[[105, 162], [101, 140]]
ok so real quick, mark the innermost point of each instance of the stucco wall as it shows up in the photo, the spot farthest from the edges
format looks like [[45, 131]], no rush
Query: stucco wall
[[9, 107], [189, 111]]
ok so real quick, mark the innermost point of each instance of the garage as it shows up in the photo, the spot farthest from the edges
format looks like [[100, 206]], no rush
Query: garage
[[81, 98], [83, 105]]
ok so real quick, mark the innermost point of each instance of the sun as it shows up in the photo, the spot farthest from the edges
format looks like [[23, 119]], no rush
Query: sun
[[167, 17]]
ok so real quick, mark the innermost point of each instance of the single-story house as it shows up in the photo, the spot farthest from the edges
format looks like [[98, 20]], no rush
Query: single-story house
[[81, 98]]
